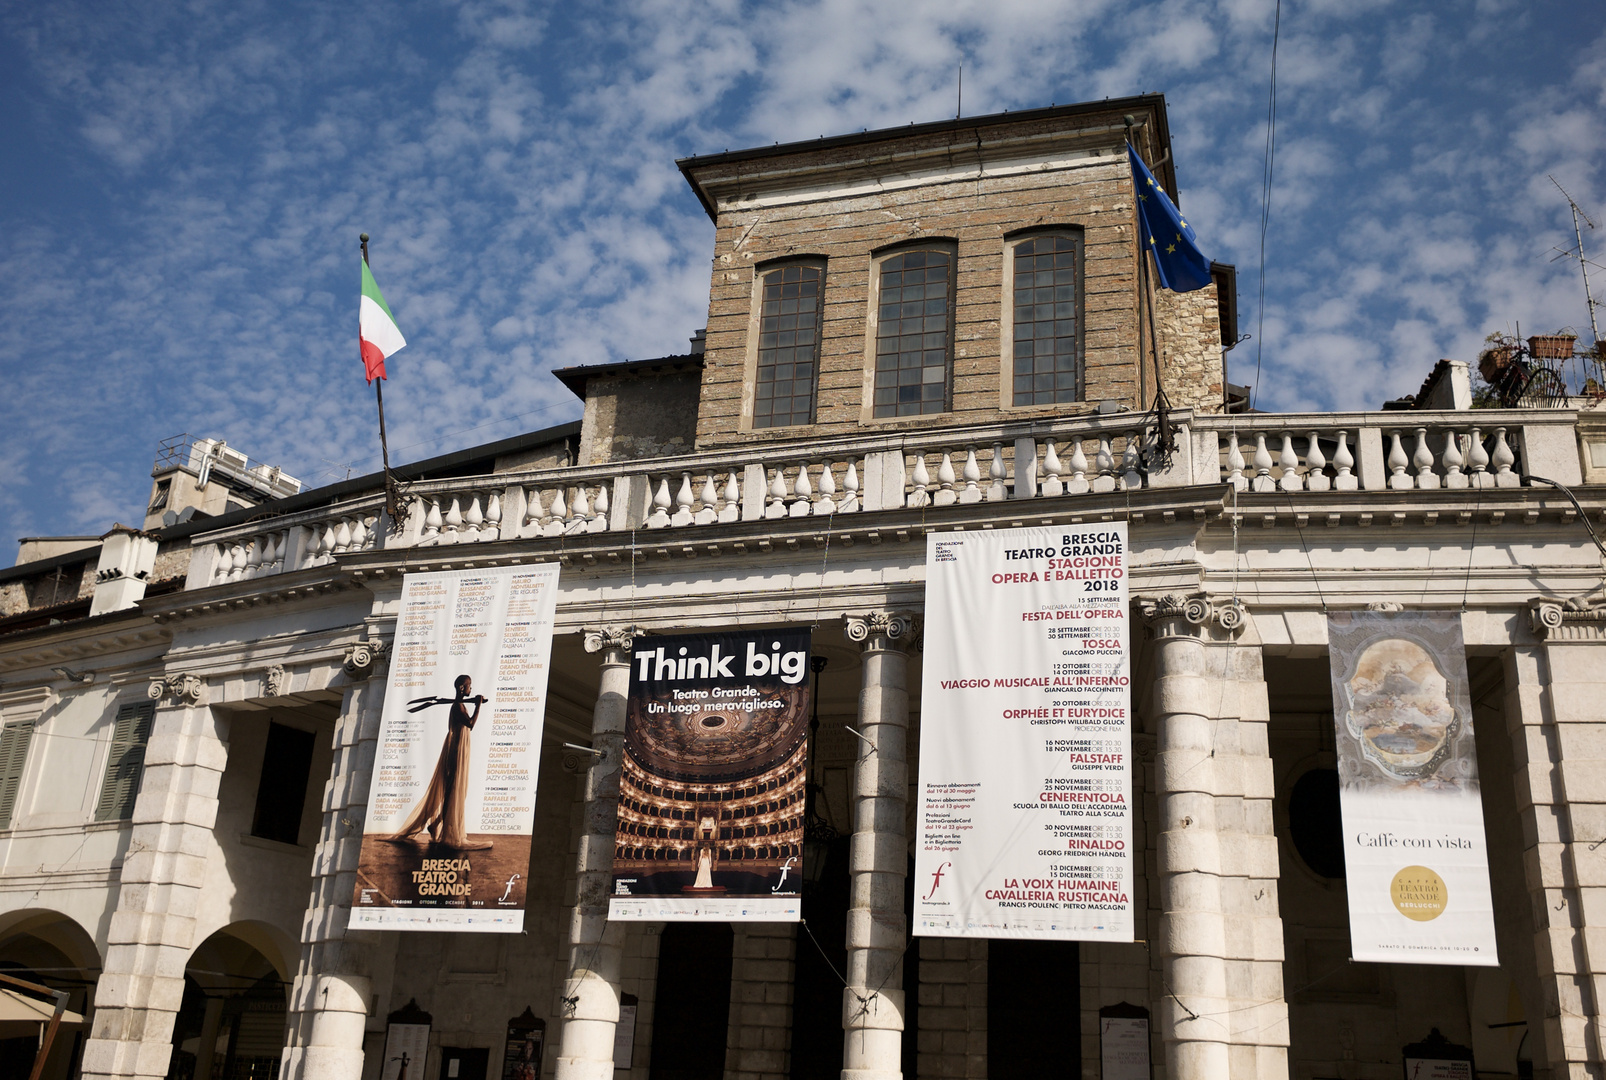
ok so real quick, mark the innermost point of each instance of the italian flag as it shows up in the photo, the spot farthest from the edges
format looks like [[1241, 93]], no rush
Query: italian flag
[[377, 327]]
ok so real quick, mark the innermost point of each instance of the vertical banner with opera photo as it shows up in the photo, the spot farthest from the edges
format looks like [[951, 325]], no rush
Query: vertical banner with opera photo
[[1416, 865], [711, 792], [452, 806]]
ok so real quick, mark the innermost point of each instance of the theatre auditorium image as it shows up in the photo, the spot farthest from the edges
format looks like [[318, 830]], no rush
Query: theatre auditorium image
[[932, 670]]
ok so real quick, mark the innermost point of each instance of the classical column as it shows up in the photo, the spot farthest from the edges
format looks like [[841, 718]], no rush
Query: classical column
[[878, 933], [1553, 695], [591, 992], [330, 996], [1222, 1013], [153, 929]]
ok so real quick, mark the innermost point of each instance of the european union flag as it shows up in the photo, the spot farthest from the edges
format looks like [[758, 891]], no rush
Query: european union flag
[[1182, 266]]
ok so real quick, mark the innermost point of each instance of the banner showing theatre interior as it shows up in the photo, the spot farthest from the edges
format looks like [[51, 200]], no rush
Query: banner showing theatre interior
[[447, 843], [1025, 736], [1416, 867], [711, 792]]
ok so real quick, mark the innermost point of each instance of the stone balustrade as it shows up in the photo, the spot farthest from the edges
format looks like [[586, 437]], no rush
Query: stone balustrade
[[1401, 451], [288, 543], [1044, 459]]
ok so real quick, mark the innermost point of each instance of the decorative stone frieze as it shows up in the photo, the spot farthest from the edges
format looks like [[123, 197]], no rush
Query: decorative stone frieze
[[362, 657], [181, 689]]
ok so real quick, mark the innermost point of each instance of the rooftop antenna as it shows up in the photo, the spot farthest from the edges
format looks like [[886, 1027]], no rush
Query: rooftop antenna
[[1583, 263], [959, 104]]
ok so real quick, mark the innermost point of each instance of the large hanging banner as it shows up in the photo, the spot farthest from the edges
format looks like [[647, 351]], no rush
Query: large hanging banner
[[1416, 866], [1025, 736], [452, 807], [711, 792]]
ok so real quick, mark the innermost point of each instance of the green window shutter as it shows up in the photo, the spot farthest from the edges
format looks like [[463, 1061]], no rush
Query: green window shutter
[[126, 761], [14, 740]]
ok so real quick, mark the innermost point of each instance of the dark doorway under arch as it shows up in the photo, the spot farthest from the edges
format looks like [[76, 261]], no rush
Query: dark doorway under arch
[[691, 1014], [1034, 1008]]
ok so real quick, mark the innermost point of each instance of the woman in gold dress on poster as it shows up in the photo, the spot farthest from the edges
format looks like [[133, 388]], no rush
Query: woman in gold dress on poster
[[440, 811]]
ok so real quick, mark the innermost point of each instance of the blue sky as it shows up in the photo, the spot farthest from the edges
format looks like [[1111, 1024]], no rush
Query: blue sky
[[182, 185]]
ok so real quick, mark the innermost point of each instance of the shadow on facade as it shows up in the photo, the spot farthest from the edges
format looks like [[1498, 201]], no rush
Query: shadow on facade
[[51, 949], [230, 1025]]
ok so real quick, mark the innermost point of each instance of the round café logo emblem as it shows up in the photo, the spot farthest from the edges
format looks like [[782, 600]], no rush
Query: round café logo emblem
[[1418, 893]]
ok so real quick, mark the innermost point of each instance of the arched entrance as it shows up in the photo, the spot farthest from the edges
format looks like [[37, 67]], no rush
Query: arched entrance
[[48, 948], [231, 1022]]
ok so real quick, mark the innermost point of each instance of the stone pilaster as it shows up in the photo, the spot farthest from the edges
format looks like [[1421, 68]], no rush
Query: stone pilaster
[[153, 929], [1221, 942], [1553, 695], [878, 933], [591, 991], [762, 963], [333, 986]]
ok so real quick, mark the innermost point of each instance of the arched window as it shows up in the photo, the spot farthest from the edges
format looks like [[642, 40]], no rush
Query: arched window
[[1046, 273], [914, 333], [788, 345]]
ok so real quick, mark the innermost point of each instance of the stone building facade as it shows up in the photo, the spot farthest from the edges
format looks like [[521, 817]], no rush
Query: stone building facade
[[188, 741]]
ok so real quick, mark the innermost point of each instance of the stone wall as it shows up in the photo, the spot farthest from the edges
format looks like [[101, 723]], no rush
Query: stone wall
[[633, 416], [1189, 328]]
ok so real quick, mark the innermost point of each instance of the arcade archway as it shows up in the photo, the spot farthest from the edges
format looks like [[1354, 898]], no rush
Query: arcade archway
[[53, 950], [231, 1022]]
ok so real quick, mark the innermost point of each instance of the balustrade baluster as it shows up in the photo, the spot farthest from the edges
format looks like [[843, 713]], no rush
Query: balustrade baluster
[[1316, 478], [492, 528], [1104, 463], [775, 507], [532, 512], [708, 499], [579, 512], [599, 520], [472, 520], [732, 509], [1078, 483], [1131, 462], [1262, 480], [921, 481], [1453, 476], [1479, 459], [850, 489], [996, 492], [359, 534], [683, 503], [802, 493], [946, 495], [658, 516], [1052, 484], [826, 503], [1235, 463], [453, 524], [1288, 461], [972, 476], [1397, 461], [326, 546], [433, 522], [1344, 465], [1502, 459], [1422, 459], [253, 558]]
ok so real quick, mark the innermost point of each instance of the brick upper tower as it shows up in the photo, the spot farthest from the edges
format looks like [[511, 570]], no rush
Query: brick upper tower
[[966, 271]]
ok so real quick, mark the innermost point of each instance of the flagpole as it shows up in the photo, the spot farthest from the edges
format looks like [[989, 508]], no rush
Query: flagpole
[[384, 449], [1162, 404]]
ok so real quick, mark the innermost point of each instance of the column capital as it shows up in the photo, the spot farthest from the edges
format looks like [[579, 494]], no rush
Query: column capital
[[602, 638], [1194, 609], [884, 630], [362, 657], [1580, 618], [181, 688]]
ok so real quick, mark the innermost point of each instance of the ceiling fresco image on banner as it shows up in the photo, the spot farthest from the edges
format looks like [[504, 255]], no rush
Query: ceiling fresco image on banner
[[711, 793]]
